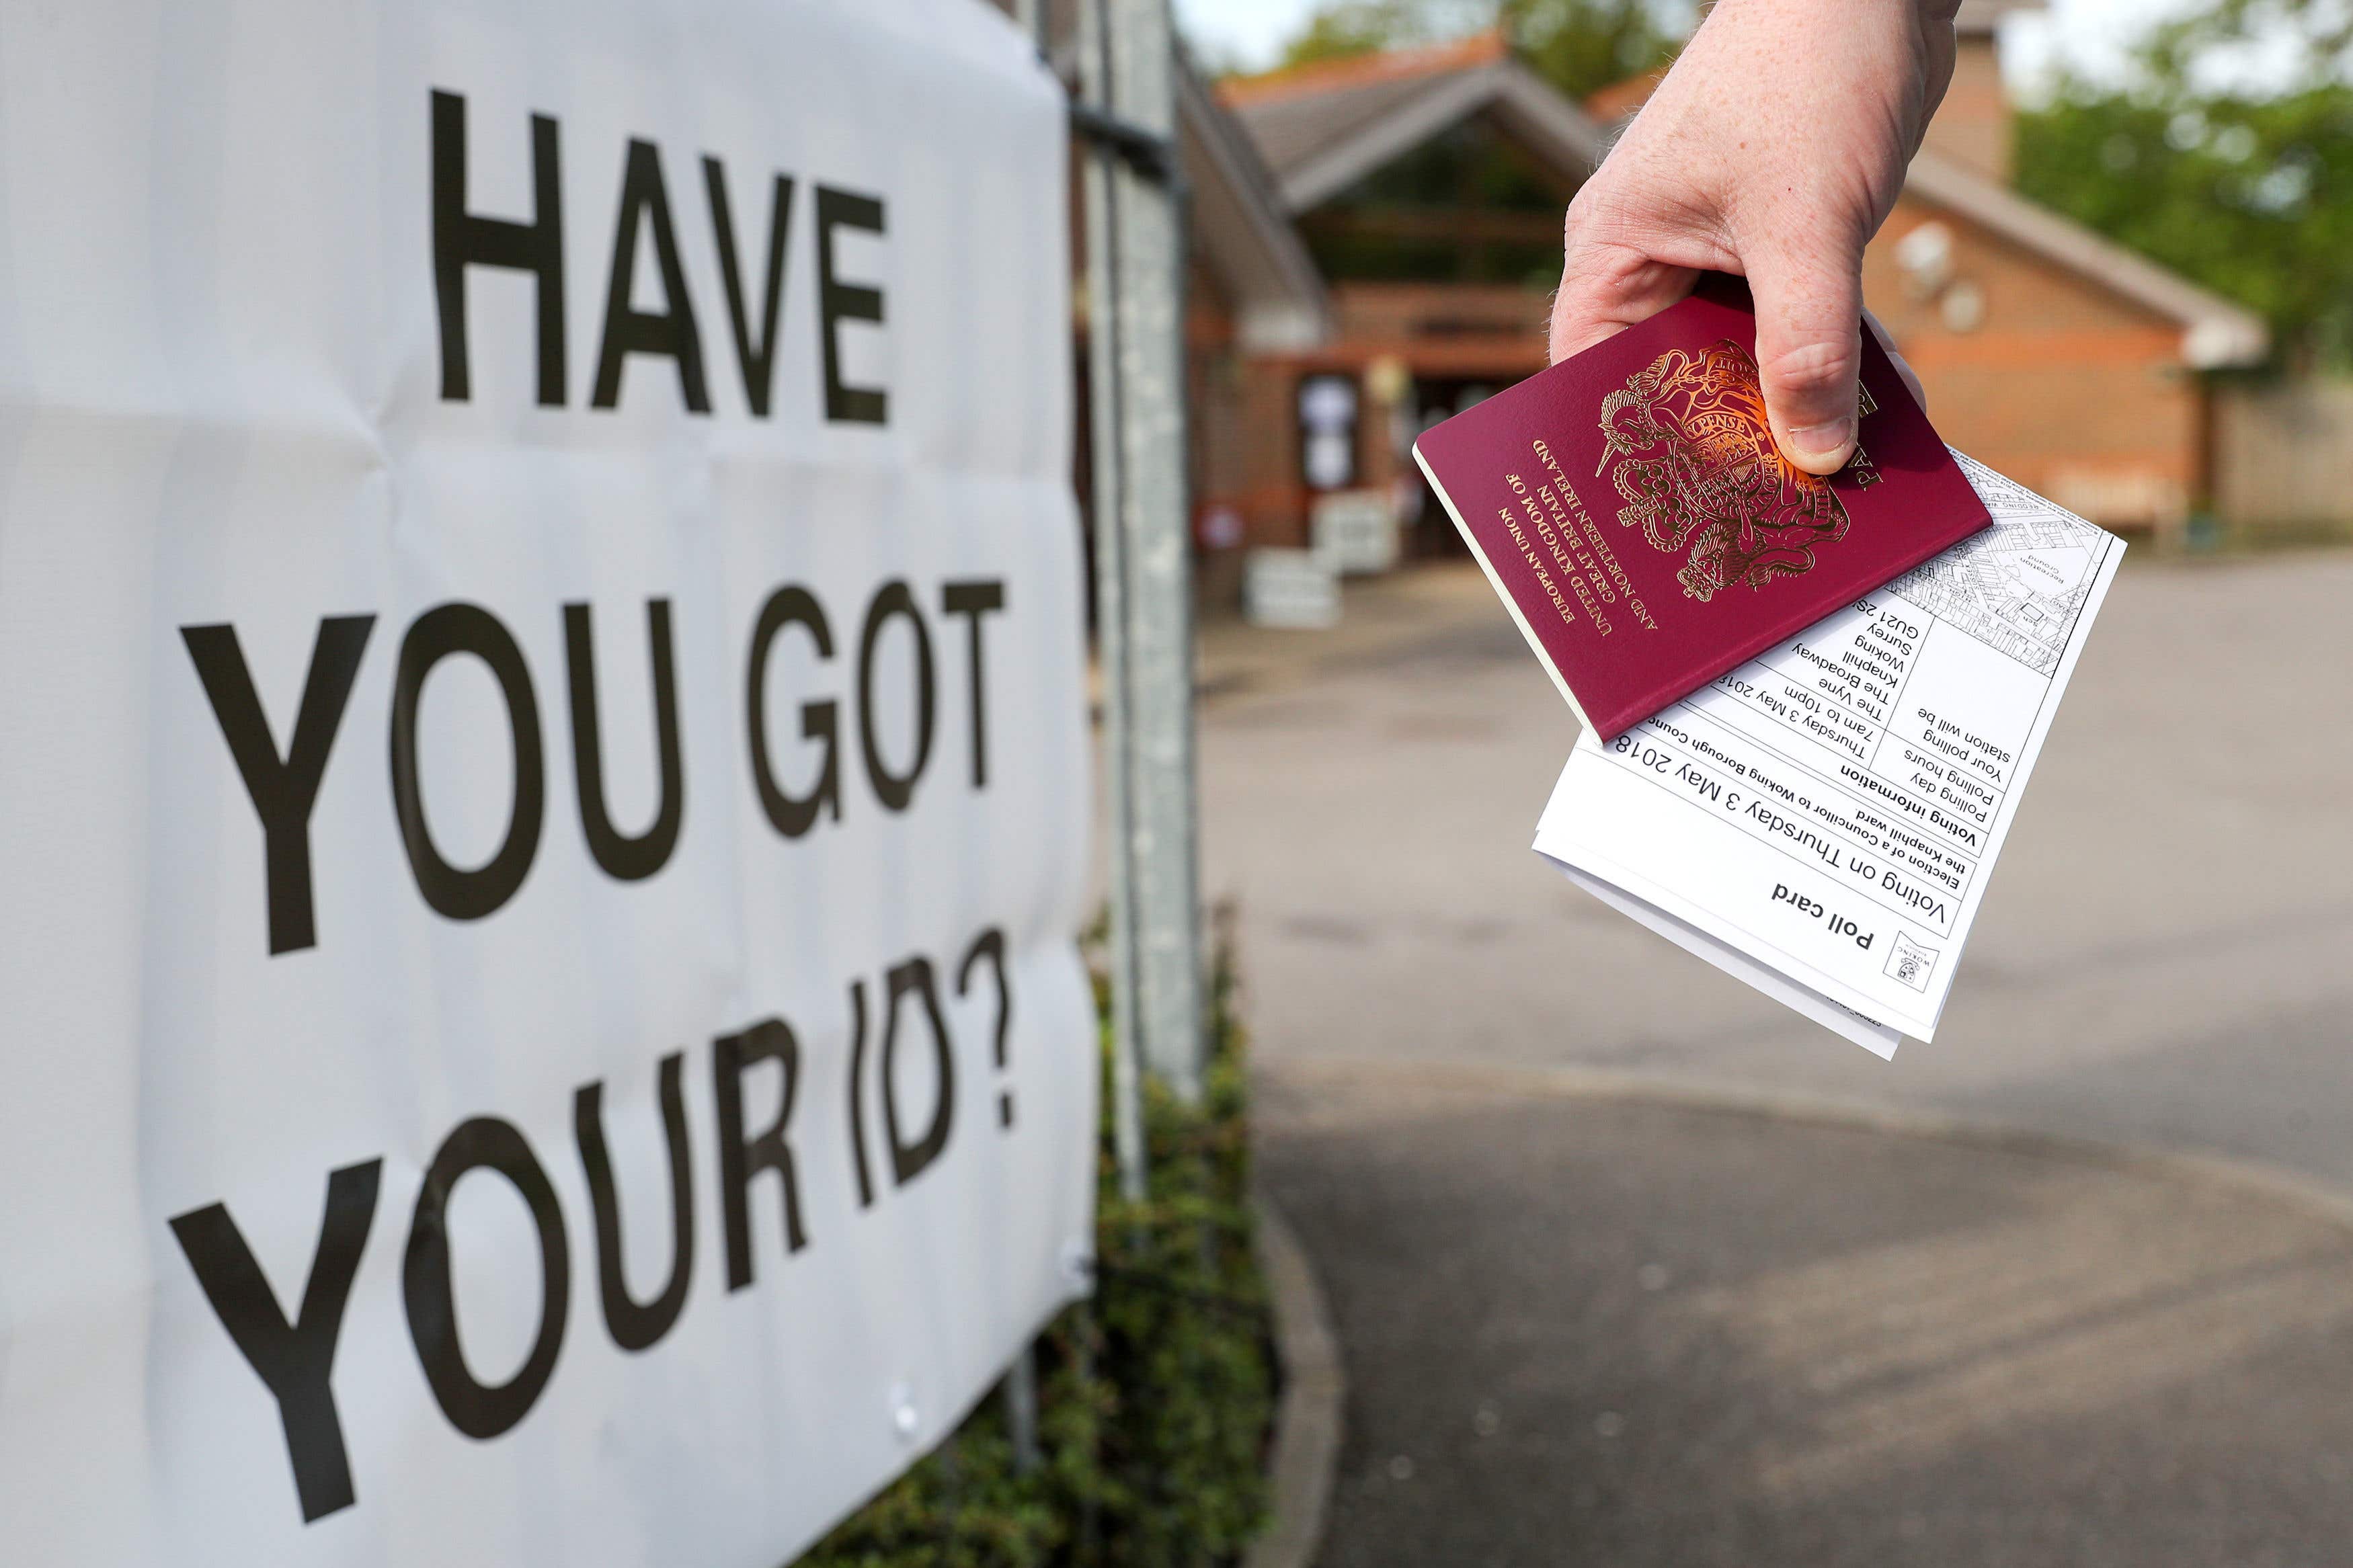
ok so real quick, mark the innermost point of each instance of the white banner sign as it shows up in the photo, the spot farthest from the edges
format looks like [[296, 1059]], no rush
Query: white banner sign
[[542, 742]]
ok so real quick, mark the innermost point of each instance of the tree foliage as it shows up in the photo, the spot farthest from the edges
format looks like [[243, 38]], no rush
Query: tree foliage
[[1341, 30], [2238, 175], [1584, 46], [1579, 45]]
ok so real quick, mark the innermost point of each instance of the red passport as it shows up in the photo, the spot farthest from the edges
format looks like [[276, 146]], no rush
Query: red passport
[[1632, 510]]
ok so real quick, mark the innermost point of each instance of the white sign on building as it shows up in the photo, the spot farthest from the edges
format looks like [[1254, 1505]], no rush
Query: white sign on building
[[541, 735]]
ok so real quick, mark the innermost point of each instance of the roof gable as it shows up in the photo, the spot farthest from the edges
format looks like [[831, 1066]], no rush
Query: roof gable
[[1321, 133], [1324, 78], [1243, 229], [1240, 228]]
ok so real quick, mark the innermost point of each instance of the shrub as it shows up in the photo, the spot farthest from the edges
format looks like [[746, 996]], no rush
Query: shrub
[[1155, 1398]]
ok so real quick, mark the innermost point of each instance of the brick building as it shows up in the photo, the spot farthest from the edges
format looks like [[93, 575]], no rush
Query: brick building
[[1254, 295], [1427, 188]]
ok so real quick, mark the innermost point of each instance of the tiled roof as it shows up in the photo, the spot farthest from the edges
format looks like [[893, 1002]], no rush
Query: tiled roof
[[1322, 128], [1292, 132], [1242, 225], [1364, 70], [1297, 115]]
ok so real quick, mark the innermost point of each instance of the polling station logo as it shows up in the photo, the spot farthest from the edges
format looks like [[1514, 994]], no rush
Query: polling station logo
[[1910, 963]]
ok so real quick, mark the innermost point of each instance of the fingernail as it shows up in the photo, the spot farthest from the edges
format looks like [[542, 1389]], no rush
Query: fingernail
[[1822, 447]]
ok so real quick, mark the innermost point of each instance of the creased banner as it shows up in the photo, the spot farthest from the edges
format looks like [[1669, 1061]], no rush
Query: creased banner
[[542, 734]]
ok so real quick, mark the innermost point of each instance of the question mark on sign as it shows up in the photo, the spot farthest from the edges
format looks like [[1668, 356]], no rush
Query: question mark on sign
[[990, 944]]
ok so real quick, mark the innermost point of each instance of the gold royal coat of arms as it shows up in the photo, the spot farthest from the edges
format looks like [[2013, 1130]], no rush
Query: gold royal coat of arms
[[1692, 455]]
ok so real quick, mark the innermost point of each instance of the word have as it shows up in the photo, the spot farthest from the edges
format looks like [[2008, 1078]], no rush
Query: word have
[[464, 239], [283, 782], [295, 1356]]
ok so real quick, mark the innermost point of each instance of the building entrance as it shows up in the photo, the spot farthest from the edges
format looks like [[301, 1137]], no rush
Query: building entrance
[[1429, 532]]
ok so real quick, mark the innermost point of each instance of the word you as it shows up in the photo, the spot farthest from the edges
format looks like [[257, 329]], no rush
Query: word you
[[283, 782]]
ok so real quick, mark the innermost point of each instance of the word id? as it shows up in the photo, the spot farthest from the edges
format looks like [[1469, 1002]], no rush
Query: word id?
[[749, 1070]]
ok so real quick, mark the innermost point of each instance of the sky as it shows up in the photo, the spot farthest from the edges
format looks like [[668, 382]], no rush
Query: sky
[[2086, 34]]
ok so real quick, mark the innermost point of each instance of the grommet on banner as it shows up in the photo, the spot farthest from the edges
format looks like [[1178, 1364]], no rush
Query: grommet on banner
[[905, 1419]]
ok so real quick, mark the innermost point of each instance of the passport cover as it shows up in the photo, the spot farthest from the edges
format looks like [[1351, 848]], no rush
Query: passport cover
[[1632, 510]]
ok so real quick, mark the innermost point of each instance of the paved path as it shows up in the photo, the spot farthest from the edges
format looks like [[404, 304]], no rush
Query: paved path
[[1590, 1326], [1597, 1332], [2165, 954]]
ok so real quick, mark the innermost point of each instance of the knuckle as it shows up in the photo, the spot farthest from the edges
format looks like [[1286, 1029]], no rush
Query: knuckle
[[1589, 215], [1618, 225], [1614, 208], [1821, 368]]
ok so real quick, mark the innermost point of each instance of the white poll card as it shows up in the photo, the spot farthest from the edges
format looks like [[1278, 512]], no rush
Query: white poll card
[[1821, 822]]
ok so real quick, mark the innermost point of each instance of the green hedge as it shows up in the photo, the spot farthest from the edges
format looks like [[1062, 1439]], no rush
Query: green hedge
[[1155, 1398]]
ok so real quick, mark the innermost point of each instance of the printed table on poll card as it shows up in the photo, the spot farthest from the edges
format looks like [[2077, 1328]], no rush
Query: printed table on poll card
[[1821, 822]]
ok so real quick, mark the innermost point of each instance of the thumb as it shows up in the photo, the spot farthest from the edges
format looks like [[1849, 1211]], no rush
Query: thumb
[[1808, 351]]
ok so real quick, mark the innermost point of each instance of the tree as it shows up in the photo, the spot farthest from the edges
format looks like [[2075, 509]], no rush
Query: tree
[[1341, 30], [2240, 179], [1584, 46], [1579, 46]]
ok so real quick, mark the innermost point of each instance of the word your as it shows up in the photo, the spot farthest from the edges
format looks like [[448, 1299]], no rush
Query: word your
[[294, 1356]]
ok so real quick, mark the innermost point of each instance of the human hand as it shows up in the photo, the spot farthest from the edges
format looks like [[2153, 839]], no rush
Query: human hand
[[1774, 149]]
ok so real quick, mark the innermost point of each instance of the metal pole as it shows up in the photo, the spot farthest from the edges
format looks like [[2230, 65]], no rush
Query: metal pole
[[1144, 555], [1101, 191], [1021, 1409]]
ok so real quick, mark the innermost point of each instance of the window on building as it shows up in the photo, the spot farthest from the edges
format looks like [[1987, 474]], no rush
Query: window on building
[[1469, 206]]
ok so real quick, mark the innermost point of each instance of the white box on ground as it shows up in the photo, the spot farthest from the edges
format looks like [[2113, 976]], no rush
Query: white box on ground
[[1356, 531], [1291, 588]]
